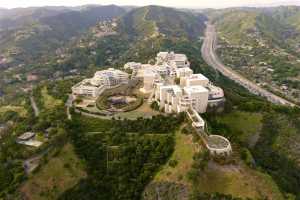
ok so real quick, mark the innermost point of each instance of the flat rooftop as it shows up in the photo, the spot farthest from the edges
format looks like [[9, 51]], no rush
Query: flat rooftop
[[198, 77], [26, 136], [195, 89], [174, 88]]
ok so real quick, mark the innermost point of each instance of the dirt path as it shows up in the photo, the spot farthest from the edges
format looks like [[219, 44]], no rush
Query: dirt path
[[34, 106]]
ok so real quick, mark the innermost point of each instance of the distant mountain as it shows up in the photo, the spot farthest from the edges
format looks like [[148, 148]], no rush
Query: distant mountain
[[280, 25], [71, 23], [32, 33], [286, 14], [151, 21], [13, 18]]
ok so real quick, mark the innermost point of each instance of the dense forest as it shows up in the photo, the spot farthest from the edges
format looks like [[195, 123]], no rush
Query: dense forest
[[122, 157]]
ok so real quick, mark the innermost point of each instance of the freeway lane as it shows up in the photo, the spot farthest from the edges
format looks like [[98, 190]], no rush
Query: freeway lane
[[210, 57]]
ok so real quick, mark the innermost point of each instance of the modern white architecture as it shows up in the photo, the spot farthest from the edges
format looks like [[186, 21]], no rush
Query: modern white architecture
[[193, 80], [133, 66], [175, 60], [85, 88], [194, 91], [110, 78], [198, 97], [102, 80], [183, 72], [173, 98]]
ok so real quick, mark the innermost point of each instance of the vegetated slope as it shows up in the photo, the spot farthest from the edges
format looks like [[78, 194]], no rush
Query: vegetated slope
[[289, 18], [285, 14], [71, 23], [137, 38], [236, 24], [154, 20], [41, 32], [280, 25], [263, 46], [17, 17], [60, 173], [239, 24]]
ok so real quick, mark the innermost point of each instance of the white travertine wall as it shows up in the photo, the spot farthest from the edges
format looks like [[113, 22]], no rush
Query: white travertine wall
[[193, 80], [220, 151], [198, 96]]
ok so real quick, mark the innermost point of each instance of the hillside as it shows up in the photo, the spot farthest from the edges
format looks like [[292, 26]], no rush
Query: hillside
[[263, 45], [36, 33], [286, 14], [152, 21]]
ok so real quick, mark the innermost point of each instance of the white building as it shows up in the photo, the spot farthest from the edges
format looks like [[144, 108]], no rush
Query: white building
[[173, 98], [193, 80], [175, 60], [85, 88], [133, 66], [110, 78], [28, 139], [102, 80], [168, 97], [149, 78], [194, 91], [161, 57], [183, 72], [198, 97], [215, 94]]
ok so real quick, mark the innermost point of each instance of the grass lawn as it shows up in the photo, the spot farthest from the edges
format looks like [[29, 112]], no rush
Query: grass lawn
[[57, 175], [246, 124], [49, 101], [239, 181], [19, 109]]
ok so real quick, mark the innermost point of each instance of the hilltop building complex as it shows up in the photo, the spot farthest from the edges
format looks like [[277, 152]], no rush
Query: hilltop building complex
[[171, 83], [174, 86]]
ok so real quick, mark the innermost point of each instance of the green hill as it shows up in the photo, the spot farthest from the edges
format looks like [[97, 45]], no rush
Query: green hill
[[236, 24], [279, 25], [152, 21], [39, 32], [286, 14]]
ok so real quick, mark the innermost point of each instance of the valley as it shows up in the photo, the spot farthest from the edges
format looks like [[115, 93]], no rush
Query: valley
[[208, 53], [261, 47]]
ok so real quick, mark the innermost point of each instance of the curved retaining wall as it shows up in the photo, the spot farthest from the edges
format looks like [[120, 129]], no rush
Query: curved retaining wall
[[222, 150]]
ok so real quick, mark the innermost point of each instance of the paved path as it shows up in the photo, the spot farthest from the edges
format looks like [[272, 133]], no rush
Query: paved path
[[34, 106], [69, 105], [210, 57]]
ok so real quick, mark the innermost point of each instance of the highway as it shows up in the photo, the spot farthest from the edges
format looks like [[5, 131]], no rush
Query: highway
[[210, 57]]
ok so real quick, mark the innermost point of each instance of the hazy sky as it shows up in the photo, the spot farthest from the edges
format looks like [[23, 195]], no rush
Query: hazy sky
[[172, 3]]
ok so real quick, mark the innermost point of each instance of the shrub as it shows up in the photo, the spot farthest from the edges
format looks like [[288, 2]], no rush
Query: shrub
[[173, 163]]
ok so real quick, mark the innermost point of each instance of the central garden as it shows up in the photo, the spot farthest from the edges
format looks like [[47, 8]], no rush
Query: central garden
[[123, 98]]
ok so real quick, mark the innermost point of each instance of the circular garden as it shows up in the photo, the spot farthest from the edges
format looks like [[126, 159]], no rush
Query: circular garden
[[124, 98]]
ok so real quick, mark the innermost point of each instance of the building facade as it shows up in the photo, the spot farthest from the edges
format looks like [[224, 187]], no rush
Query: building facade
[[102, 80]]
